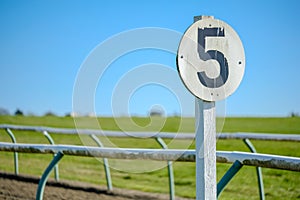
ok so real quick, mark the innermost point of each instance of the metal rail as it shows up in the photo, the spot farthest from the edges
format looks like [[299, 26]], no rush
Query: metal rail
[[45, 176], [260, 136], [170, 170], [105, 165], [51, 141], [164, 135], [16, 160], [228, 176], [251, 159], [258, 171]]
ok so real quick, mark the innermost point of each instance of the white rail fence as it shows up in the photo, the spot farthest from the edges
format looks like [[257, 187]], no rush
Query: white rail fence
[[165, 135], [243, 158]]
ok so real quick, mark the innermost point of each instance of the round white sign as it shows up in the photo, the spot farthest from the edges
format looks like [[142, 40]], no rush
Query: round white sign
[[211, 59]]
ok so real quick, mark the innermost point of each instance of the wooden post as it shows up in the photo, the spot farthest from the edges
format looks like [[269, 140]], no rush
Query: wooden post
[[206, 183], [206, 173]]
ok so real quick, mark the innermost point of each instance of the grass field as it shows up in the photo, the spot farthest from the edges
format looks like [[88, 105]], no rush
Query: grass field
[[279, 184]]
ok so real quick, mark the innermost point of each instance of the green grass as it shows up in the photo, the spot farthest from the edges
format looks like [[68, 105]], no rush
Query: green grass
[[263, 125], [279, 184]]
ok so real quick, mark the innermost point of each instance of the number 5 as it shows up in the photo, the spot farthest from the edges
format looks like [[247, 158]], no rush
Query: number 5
[[212, 54]]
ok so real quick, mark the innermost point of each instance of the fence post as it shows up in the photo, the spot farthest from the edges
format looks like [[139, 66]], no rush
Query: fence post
[[237, 165], [105, 165], [206, 185], [43, 180], [258, 171], [170, 170], [16, 159], [51, 141]]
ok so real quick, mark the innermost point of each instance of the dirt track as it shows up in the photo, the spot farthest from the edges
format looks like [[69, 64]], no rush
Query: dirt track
[[24, 187]]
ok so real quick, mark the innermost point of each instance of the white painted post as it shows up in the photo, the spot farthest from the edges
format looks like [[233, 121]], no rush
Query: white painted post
[[206, 173], [206, 180]]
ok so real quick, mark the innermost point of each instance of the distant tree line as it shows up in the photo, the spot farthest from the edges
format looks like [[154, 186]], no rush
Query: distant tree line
[[4, 111], [19, 112], [153, 112]]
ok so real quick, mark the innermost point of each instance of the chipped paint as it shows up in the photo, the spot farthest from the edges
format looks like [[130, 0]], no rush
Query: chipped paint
[[260, 160], [251, 159]]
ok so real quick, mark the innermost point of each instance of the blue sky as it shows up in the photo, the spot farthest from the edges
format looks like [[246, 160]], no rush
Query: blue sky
[[43, 45]]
